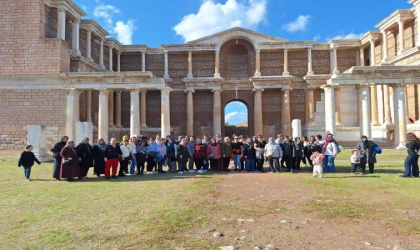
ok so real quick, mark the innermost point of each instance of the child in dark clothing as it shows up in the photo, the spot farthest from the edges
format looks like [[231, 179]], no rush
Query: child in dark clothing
[[27, 160]]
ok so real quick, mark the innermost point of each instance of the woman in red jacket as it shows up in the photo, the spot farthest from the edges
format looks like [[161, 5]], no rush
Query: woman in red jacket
[[70, 163], [213, 152], [200, 153]]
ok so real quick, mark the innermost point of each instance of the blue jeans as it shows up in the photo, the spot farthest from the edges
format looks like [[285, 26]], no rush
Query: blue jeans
[[411, 165], [237, 161], [27, 170], [206, 164], [161, 163], [132, 165], [328, 163], [250, 164]]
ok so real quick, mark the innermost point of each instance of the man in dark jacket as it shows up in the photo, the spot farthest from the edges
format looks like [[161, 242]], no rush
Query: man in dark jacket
[[288, 153], [57, 158]]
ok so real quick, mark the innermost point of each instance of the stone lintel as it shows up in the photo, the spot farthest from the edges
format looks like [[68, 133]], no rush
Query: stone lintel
[[96, 28], [392, 19], [71, 7], [370, 35]]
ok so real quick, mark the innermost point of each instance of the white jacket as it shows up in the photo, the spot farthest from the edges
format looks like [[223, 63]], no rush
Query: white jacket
[[330, 149]]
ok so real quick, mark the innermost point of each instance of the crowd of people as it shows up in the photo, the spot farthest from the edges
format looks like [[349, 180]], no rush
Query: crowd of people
[[199, 155]]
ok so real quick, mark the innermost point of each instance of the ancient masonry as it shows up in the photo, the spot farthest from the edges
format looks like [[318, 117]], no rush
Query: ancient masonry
[[57, 69]]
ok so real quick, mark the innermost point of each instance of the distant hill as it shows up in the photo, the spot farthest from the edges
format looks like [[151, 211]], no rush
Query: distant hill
[[244, 124]]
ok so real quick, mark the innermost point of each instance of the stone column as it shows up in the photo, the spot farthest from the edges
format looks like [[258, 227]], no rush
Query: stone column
[[89, 105], [76, 36], [111, 108], [143, 109], [310, 71], [330, 123], [257, 63], [217, 65], [134, 112], [166, 75], [72, 113], [362, 57], [400, 131], [337, 100], [365, 121], [401, 48], [143, 61], [335, 63], [384, 47], [61, 23], [286, 63], [89, 44], [111, 68], [37, 138], [258, 112], [190, 112], [372, 52], [310, 111], [190, 70], [101, 55], [286, 120], [387, 106], [103, 114], [374, 105], [166, 115], [217, 111], [118, 108], [118, 61]]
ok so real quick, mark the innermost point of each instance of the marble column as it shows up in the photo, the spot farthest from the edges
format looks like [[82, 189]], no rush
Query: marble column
[[89, 44], [372, 52], [286, 63], [61, 23], [401, 47], [257, 62], [190, 69], [330, 122], [362, 57], [118, 61], [337, 100], [374, 105], [190, 112], [335, 62], [143, 112], [310, 108], [111, 108], [365, 121], [217, 111], [286, 120], [143, 61], [89, 105], [111, 68], [72, 113], [258, 112], [118, 108], [166, 75], [387, 105], [384, 47], [310, 71], [400, 114], [165, 112], [76, 36], [134, 112], [217, 64], [101, 54], [103, 114]]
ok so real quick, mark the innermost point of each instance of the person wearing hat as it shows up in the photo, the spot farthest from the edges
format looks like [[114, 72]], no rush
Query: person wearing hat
[[367, 154]]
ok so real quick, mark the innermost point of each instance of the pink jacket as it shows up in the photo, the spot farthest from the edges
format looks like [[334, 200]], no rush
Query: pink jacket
[[215, 150], [317, 160]]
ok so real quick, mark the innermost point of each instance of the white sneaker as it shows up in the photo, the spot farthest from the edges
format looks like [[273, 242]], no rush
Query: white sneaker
[[191, 171], [149, 173], [205, 171], [305, 166], [314, 175], [321, 176], [200, 171], [27, 180], [180, 172]]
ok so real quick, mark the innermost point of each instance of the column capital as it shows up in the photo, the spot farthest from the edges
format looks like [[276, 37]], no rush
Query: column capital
[[165, 91], [258, 50], [111, 46], [257, 89], [118, 52], [75, 20], [286, 89], [189, 90], [118, 92], [74, 92], [61, 8], [310, 88], [143, 92], [104, 91], [217, 90], [217, 50], [165, 51], [337, 88]]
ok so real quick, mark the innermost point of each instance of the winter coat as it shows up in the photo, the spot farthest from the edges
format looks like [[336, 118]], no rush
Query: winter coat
[[366, 151], [85, 153]]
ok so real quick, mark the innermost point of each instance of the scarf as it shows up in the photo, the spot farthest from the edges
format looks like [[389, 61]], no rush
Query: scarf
[[102, 145]]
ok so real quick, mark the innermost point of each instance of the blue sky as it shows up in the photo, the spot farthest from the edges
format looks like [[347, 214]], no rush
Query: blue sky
[[176, 21]]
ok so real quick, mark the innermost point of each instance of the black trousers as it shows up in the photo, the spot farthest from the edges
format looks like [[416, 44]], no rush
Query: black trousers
[[282, 162], [371, 167], [355, 167], [226, 162], [199, 163], [297, 160], [260, 164], [123, 166], [288, 159], [307, 158], [213, 164], [141, 160], [150, 163]]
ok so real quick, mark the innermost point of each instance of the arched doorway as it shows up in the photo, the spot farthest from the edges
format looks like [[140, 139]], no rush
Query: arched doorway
[[237, 59], [236, 118]]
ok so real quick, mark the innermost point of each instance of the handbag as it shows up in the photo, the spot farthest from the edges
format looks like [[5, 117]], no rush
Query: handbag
[[268, 154], [66, 161], [152, 154], [211, 154]]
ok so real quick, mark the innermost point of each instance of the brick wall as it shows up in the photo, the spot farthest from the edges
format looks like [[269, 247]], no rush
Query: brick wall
[[83, 42], [96, 48], [156, 64], [297, 105], [50, 27], [321, 61], [346, 59], [21, 108], [272, 103], [203, 112], [153, 109], [130, 62], [410, 33], [298, 63], [378, 52], [178, 102], [272, 63], [106, 57], [178, 67], [237, 59], [392, 44], [204, 64], [412, 108]]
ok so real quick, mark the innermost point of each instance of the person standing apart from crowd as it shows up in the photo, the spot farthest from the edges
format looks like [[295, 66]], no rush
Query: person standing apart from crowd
[[317, 159], [133, 152], [152, 151], [368, 155], [226, 151], [411, 166], [213, 152], [57, 158], [191, 152], [141, 149], [85, 153], [273, 153], [27, 160], [249, 155], [70, 164], [183, 156], [355, 161], [125, 158], [330, 152], [112, 154], [237, 149], [99, 156]]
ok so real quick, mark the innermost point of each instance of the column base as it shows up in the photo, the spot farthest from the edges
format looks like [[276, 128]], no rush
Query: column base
[[376, 124], [385, 63], [335, 72], [90, 59], [143, 126], [217, 75], [190, 76], [286, 73], [400, 52], [310, 73], [257, 74], [102, 67], [339, 124], [166, 76]]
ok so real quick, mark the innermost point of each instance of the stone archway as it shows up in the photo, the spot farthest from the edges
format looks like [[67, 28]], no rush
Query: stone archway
[[236, 118], [237, 59]]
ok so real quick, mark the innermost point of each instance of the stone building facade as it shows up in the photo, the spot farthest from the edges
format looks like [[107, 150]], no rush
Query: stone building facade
[[57, 68]]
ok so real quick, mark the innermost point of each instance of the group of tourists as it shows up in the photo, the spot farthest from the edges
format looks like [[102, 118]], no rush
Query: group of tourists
[[199, 155]]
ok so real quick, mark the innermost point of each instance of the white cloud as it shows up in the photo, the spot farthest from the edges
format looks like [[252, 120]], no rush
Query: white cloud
[[236, 117], [346, 36], [300, 24], [84, 7], [124, 31], [106, 12], [317, 37], [215, 17]]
